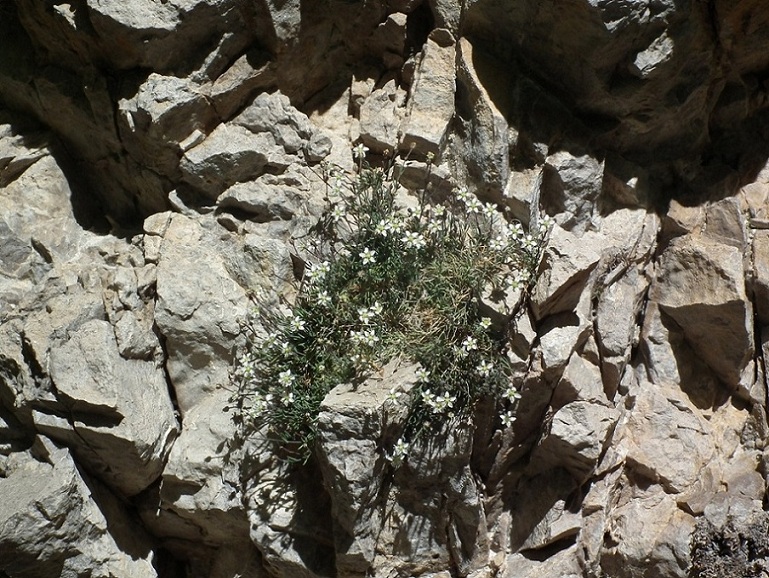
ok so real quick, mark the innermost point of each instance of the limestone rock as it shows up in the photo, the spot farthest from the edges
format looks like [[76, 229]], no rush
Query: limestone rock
[[563, 273], [268, 135], [390, 36], [571, 185], [576, 439], [666, 439], [486, 146], [380, 117], [521, 194], [164, 111], [447, 14], [156, 36], [199, 308], [51, 525], [700, 284], [273, 114], [289, 515], [625, 182], [261, 200], [248, 75], [431, 99], [648, 537], [199, 487], [351, 426], [229, 155], [119, 409], [618, 307], [761, 275]]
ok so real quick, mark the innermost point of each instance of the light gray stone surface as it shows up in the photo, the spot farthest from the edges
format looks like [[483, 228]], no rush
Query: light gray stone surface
[[639, 351]]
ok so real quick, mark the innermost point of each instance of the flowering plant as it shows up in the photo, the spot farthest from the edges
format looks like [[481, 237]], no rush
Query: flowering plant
[[387, 281]]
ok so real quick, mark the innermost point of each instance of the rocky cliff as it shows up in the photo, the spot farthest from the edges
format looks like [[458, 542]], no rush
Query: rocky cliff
[[157, 158]]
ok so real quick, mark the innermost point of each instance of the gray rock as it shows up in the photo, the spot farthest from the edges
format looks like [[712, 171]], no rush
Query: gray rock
[[161, 36], [521, 194], [700, 284], [486, 149], [200, 484], [430, 105], [261, 200], [198, 310], [625, 183], [648, 537], [761, 275], [576, 438], [666, 439], [351, 428], [164, 111], [581, 381], [236, 86], [16, 156], [380, 118], [616, 331], [273, 114], [119, 409], [726, 223], [563, 272], [51, 525], [571, 185], [229, 155], [390, 36], [447, 14]]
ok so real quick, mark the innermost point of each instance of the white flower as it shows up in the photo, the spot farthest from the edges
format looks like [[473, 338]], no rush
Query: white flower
[[365, 337], [286, 378], [400, 450], [318, 271], [359, 152], [296, 324], [473, 205], [518, 281], [470, 344], [381, 228], [508, 419], [438, 403], [512, 394], [463, 194], [444, 402], [338, 212], [498, 243], [285, 347], [376, 308], [422, 374], [490, 210], [430, 156], [485, 323], [368, 256], [324, 299], [413, 240], [261, 404], [393, 395], [439, 211], [365, 316], [484, 368], [288, 399], [433, 227]]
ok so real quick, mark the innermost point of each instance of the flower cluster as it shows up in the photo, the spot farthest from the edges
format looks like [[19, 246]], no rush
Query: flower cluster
[[386, 281]]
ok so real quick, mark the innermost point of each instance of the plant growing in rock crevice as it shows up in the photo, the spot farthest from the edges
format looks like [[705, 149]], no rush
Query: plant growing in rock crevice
[[387, 281]]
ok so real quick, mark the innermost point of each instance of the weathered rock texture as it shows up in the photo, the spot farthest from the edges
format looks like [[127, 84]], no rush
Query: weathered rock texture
[[156, 158]]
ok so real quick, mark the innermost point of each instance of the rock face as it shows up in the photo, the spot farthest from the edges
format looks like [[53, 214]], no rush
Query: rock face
[[161, 162]]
